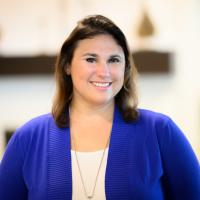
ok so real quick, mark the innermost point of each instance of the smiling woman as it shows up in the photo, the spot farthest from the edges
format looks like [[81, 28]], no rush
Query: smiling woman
[[96, 144], [110, 55]]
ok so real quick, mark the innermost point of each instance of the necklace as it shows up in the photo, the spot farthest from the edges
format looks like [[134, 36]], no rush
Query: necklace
[[80, 172]]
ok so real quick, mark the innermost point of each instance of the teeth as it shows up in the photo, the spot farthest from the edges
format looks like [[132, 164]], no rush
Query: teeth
[[101, 84]]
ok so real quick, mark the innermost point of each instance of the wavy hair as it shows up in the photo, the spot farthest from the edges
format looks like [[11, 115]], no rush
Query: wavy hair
[[89, 27]]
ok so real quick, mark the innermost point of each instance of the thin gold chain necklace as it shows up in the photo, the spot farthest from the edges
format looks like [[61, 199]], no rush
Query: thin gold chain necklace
[[80, 172]]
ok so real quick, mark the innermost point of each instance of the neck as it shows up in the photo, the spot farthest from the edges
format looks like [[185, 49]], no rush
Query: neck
[[79, 111]]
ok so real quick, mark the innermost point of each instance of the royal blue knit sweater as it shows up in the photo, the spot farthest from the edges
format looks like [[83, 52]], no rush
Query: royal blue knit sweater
[[149, 159]]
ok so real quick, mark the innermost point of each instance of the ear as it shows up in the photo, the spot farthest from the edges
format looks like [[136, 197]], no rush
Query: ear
[[67, 70]]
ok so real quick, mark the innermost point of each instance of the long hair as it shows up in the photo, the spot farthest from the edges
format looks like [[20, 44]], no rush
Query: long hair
[[93, 25]]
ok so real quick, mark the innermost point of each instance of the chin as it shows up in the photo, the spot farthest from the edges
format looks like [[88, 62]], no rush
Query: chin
[[103, 101]]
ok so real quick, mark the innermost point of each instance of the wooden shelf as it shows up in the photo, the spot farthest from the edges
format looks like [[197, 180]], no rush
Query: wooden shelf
[[145, 61], [27, 65]]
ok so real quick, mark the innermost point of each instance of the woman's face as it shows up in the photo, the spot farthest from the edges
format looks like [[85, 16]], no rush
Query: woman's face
[[97, 70]]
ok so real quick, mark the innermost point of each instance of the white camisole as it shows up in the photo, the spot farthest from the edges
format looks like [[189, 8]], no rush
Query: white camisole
[[89, 163]]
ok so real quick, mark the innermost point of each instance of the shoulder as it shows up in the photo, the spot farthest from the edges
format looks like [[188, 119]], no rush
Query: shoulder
[[32, 134], [158, 121], [38, 120], [35, 129], [167, 132], [152, 115], [146, 120], [37, 123], [159, 124], [153, 118]]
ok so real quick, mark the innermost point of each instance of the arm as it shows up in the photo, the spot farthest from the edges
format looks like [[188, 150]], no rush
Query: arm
[[181, 168], [12, 185]]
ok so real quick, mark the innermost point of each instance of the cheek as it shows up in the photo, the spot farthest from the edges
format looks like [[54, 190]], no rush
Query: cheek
[[82, 73], [119, 74], [121, 77]]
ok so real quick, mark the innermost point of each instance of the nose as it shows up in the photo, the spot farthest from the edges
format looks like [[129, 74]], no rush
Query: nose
[[103, 69]]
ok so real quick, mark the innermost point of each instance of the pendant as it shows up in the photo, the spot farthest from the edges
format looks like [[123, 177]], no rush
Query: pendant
[[90, 197]]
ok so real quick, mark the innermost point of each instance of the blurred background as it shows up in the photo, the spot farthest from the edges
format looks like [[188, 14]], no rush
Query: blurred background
[[163, 36]]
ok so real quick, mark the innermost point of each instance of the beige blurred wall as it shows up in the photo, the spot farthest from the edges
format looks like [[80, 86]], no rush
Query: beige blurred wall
[[35, 27]]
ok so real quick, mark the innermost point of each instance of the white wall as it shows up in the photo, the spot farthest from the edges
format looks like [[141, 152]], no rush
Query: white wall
[[35, 27]]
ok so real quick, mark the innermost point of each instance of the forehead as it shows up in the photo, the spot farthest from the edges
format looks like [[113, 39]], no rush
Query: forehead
[[102, 43]]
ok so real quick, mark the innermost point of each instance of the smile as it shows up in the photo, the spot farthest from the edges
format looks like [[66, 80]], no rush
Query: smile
[[101, 84]]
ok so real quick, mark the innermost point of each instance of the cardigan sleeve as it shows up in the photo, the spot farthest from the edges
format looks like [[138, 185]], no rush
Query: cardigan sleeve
[[181, 178], [12, 185]]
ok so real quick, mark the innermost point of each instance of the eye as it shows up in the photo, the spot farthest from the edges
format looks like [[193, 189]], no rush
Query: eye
[[114, 60], [91, 60]]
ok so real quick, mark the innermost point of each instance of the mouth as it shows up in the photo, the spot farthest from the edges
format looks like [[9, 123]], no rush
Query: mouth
[[101, 84]]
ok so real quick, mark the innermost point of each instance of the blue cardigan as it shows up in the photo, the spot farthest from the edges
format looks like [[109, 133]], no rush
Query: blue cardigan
[[149, 159]]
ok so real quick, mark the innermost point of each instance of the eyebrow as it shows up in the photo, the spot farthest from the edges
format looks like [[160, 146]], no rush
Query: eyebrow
[[116, 56], [90, 54], [95, 55]]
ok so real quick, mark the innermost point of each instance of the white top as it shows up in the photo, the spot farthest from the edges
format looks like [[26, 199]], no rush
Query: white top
[[89, 163]]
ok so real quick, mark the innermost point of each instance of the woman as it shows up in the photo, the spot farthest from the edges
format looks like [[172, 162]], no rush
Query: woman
[[96, 144]]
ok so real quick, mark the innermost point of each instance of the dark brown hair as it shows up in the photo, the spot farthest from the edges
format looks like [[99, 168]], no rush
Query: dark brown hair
[[89, 27]]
